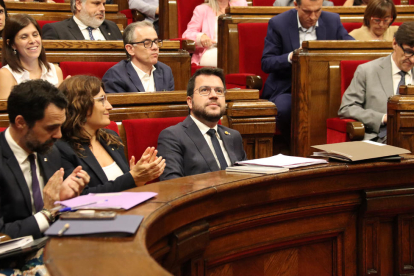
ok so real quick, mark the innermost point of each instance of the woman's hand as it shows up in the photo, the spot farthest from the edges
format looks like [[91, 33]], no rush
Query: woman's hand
[[147, 168], [206, 41]]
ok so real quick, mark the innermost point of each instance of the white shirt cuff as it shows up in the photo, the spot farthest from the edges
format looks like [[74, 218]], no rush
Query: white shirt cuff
[[289, 60], [42, 222], [383, 118]]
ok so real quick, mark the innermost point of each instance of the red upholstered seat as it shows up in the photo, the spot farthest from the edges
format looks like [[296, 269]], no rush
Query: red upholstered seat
[[44, 22], [113, 126], [128, 15], [263, 2], [336, 127], [185, 12], [2, 129], [95, 68]]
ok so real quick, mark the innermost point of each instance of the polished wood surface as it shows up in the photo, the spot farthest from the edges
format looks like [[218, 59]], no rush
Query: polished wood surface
[[335, 219], [316, 86], [171, 54]]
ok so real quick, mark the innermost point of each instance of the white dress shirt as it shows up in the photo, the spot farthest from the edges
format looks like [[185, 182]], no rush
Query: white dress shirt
[[96, 33], [396, 77], [146, 80], [23, 159], [305, 34], [203, 128]]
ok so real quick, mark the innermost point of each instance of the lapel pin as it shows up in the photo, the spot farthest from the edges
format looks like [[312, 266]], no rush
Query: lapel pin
[[227, 133], [112, 148], [109, 33], [45, 159]]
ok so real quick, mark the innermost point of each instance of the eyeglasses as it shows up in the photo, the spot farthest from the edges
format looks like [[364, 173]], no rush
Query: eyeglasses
[[101, 99], [206, 90], [148, 42], [386, 20], [407, 52]]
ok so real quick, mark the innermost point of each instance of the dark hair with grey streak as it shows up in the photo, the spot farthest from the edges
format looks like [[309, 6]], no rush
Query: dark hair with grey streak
[[129, 33], [405, 34]]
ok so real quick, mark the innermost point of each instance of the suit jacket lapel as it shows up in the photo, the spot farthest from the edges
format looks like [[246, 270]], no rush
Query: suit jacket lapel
[[105, 31], [133, 75], [385, 76], [158, 79], [74, 29], [94, 164], [14, 167], [294, 30], [47, 170], [195, 135], [228, 144], [115, 155], [320, 30]]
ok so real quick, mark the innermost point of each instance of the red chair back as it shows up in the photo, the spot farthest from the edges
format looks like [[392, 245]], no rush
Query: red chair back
[[263, 2], [44, 22], [185, 10], [348, 68], [251, 44], [2, 129], [95, 68], [128, 15], [113, 126], [143, 133]]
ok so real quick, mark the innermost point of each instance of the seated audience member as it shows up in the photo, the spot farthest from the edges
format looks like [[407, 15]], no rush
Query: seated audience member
[[285, 33], [141, 72], [203, 30], [99, 151], [30, 163], [199, 144], [3, 16], [149, 8], [350, 3], [23, 55], [378, 17], [290, 3], [88, 23], [374, 82]]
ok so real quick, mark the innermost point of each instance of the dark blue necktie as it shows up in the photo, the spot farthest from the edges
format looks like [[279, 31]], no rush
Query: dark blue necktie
[[217, 148], [402, 81], [90, 29], [37, 194]]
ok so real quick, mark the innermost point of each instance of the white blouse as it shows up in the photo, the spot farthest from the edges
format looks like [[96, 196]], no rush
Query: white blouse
[[50, 76]]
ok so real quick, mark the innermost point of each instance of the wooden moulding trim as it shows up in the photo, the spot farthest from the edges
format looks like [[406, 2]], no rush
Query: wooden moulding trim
[[297, 241], [12, 6], [354, 45]]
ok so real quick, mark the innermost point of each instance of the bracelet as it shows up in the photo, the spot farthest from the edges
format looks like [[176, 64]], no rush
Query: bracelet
[[48, 215]]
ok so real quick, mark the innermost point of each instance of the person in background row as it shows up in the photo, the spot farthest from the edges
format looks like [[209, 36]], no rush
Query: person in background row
[[203, 29], [23, 55], [98, 150], [291, 3], [3, 16], [88, 23], [378, 17], [150, 8]]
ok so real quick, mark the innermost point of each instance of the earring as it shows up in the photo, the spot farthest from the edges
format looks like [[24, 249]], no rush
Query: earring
[[14, 51]]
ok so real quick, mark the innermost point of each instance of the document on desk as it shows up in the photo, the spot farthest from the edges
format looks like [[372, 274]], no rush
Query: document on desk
[[358, 150], [123, 200], [283, 161]]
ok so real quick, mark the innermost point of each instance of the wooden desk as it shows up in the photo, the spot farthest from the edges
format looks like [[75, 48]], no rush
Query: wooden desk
[[71, 50], [316, 86], [59, 11], [337, 219]]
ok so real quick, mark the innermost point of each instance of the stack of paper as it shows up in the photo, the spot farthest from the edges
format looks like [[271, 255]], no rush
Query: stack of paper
[[15, 244], [256, 169], [283, 161]]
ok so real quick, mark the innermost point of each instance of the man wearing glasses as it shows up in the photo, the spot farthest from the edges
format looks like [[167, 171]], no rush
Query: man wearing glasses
[[142, 72], [200, 144], [374, 82]]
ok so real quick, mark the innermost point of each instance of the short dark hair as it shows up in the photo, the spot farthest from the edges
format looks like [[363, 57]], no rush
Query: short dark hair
[[405, 34], [14, 24], [209, 71], [129, 33], [379, 8], [31, 98], [299, 2]]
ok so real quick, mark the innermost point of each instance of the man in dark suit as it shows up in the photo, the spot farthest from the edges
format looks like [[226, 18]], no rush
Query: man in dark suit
[[31, 178], [285, 33], [142, 72], [88, 23], [199, 144], [374, 82]]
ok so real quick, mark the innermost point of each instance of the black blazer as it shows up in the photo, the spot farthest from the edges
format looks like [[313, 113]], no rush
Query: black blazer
[[16, 219], [98, 183], [69, 30]]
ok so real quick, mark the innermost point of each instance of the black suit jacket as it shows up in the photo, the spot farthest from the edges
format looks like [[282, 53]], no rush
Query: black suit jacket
[[123, 78], [69, 30], [186, 151], [16, 219], [98, 183]]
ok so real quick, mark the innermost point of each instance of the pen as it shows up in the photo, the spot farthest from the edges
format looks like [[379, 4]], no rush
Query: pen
[[63, 230], [74, 208]]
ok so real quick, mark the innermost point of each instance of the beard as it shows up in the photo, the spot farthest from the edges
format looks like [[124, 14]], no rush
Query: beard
[[35, 146], [212, 117], [90, 21]]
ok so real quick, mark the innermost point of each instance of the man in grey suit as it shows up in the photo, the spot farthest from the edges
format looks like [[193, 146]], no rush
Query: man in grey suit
[[88, 23], [142, 72], [374, 82], [199, 144]]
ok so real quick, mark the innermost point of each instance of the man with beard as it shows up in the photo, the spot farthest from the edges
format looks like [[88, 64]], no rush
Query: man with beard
[[199, 144], [88, 23], [31, 177]]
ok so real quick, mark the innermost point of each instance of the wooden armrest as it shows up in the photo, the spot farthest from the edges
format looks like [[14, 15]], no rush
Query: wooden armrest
[[4, 237], [137, 15], [188, 45], [355, 130], [254, 82]]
